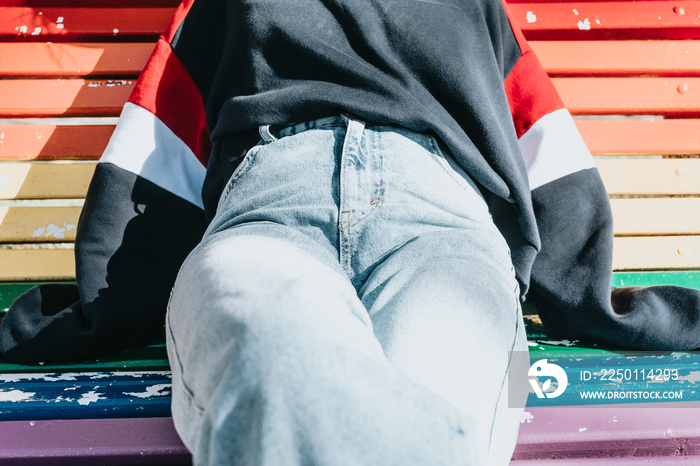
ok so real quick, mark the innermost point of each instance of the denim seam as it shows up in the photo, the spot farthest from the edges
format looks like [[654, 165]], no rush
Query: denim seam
[[188, 390], [516, 293], [241, 170]]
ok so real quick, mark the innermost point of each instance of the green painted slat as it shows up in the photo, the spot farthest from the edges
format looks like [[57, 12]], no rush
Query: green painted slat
[[686, 278]]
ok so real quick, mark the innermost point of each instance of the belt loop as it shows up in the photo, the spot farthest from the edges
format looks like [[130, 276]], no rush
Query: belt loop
[[265, 134]]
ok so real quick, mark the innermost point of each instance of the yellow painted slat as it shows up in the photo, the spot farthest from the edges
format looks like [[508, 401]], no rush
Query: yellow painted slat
[[650, 176], [45, 180], [36, 264], [38, 224], [660, 252]]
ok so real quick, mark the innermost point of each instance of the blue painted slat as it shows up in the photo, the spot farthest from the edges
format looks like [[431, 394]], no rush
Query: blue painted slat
[[87, 395]]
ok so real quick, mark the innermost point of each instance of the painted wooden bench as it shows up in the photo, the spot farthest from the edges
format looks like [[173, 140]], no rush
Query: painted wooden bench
[[627, 70]]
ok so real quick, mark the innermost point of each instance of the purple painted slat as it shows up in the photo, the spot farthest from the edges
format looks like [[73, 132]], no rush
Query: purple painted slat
[[609, 431], [92, 441], [630, 461]]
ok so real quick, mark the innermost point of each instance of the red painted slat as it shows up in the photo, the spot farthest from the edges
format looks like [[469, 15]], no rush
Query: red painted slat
[[73, 60], [615, 19], [619, 58], [39, 24], [62, 97], [626, 137], [627, 96], [51, 142]]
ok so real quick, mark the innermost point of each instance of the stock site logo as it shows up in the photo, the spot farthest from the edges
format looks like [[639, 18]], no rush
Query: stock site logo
[[549, 371]]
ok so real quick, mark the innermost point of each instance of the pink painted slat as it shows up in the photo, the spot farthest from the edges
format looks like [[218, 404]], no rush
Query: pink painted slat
[[611, 431], [92, 441]]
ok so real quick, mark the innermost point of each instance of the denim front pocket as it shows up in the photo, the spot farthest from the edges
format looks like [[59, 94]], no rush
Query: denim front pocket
[[239, 172]]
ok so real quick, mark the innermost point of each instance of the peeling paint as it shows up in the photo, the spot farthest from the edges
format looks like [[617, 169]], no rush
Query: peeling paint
[[559, 342], [527, 417], [531, 17], [162, 389], [584, 25], [37, 31], [15, 395], [23, 29], [691, 377], [90, 397], [53, 229]]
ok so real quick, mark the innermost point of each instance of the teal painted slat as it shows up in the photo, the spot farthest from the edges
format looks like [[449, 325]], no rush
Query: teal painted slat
[[686, 278]]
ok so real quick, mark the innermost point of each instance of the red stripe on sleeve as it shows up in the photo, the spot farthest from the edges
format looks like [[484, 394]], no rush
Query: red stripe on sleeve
[[178, 18], [530, 93], [167, 90]]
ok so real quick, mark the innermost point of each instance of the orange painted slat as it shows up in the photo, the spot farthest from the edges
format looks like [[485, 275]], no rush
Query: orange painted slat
[[52, 142], [646, 96], [63, 97], [619, 58], [73, 60], [39, 24], [605, 20], [651, 137]]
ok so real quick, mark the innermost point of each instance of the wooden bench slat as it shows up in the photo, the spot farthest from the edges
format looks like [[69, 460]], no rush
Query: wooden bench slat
[[609, 20], [92, 441], [42, 24], [45, 180], [656, 216], [38, 224], [73, 60], [37, 264], [52, 142], [640, 216], [583, 96], [63, 97], [656, 252], [628, 96], [650, 176], [602, 136], [636, 136], [619, 58]]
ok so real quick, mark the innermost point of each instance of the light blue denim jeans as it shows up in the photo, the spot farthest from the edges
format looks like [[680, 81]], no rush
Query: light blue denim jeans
[[352, 303]]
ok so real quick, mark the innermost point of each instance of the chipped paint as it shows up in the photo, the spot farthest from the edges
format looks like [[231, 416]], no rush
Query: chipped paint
[[575, 11], [23, 29], [37, 31], [162, 389], [527, 417], [583, 429], [691, 377], [559, 342], [53, 229], [531, 17], [532, 343], [90, 397], [115, 31], [15, 395], [584, 25]]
